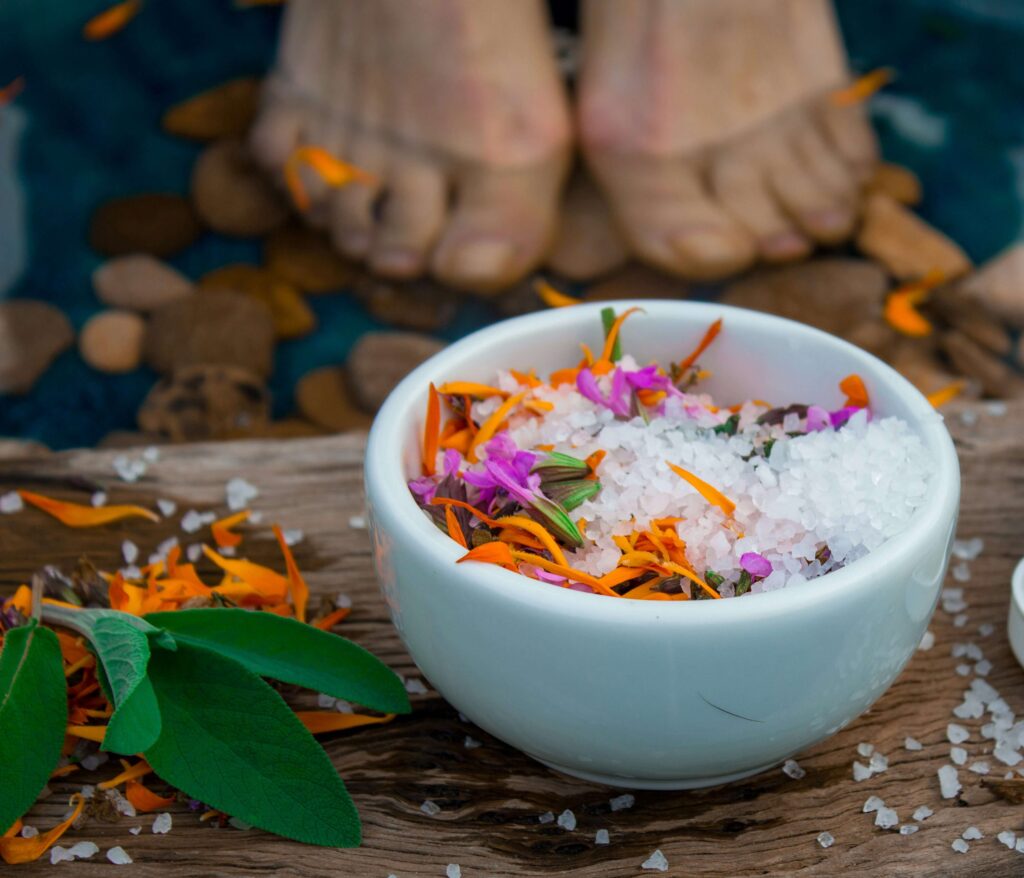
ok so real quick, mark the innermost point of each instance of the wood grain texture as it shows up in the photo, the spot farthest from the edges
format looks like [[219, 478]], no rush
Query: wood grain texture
[[491, 796]]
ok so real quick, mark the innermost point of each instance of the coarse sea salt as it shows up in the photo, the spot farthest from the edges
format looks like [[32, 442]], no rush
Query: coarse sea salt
[[912, 743], [909, 828], [162, 823], [949, 782], [960, 846], [656, 862], [886, 818], [623, 802], [11, 502], [956, 734], [826, 839], [1007, 838], [972, 833], [923, 812], [791, 768], [546, 817], [567, 820], [453, 870], [602, 837], [119, 856]]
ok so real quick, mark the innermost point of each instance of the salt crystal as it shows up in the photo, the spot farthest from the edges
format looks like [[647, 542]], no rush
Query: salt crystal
[[194, 552], [255, 516], [59, 854], [873, 803], [922, 813], [791, 768], [1006, 754], [98, 499], [968, 550], [986, 628], [167, 507], [963, 670], [984, 691], [28, 831], [961, 846], [151, 454], [11, 502], [970, 709], [909, 828], [129, 551], [949, 782], [969, 417], [95, 760], [431, 809], [128, 470], [470, 743], [826, 839], [983, 668], [1008, 838], [961, 572], [1019, 847], [135, 830], [656, 862], [960, 621], [972, 833], [454, 870], [191, 521], [623, 802], [293, 537], [118, 856], [162, 823], [956, 734], [886, 818], [546, 817], [82, 850], [912, 743], [997, 408], [357, 522], [239, 492], [602, 837], [979, 767], [865, 750], [860, 772], [927, 640], [414, 686], [325, 701], [878, 763], [567, 820]]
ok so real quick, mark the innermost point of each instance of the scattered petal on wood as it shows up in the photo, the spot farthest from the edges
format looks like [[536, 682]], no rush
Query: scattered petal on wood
[[76, 515]]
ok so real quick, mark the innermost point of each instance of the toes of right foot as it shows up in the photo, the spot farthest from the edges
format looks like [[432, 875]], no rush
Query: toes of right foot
[[275, 134], [410, 220]]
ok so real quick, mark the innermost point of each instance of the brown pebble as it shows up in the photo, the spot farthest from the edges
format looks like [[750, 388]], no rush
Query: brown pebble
[[32, 335], [637, 282], [217, 326], [205, 402], [836, 295], [899, 183], [323, 397], [232, 195], [304, 257], [999, 285], [971, 359], [291, 315], [158, 223], [111, 341], [139, 282], [379, 360], [587, 245], [905, 244], [226, 110], [421, 305]]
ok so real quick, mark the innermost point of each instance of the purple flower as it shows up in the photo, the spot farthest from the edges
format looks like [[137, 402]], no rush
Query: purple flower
[[755, 564], [841, 416], [424, 487], [647, 379], [817, 419], [452, 461], [617, 400]]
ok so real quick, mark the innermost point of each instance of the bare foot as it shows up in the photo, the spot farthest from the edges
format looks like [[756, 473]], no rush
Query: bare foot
[[588, 244], [455, 105], [708, 125]]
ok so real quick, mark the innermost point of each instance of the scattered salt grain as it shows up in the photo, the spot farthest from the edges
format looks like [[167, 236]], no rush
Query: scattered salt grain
[[1006, 754], [129, 551], [922, 813], [240, 825], [162, 824], [11, 502], [623, 802], [414, 686], [293, 537], [94, 760], [567, 820], [167, 507], [969, 417], [656, 862], [912, 743], [239, 492], [960, 621], [979, 767], [118, 856], [470, 743], [878, 763], [1008, 838], [98, 499], [961, 572], [191, 521], [602, 837], [953, 600], [960, 846], [151, 454], [59, 854], [963, 670], [865, 750], [1019, 846], [996, 408], [972, 833], [886, 818], [986, 629], [454, 870], [342, 601], [826, 839], [791, 768], [128, 470], [927, 640], [135, 830], [949, 782], [546, 817], [431, 809], [983, 668], [194, 552], [28, 831], [968, 550], [956, 733], [82, 850], [860, 772], [357, 522], [909, 828], [971, 708], [873, 803]]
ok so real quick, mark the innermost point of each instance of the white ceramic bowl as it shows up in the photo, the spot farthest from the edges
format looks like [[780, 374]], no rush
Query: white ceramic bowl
[[653, 694]]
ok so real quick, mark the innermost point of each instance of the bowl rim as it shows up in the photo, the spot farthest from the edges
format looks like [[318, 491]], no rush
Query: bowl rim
[[386, 487]]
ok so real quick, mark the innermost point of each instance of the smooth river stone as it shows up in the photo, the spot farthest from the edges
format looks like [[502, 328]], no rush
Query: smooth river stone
[[111, 341], [226, 110], [379, 360], [32, 335], [139, 282], [158, 223], [304, 257], [291, 315], [323, 397]]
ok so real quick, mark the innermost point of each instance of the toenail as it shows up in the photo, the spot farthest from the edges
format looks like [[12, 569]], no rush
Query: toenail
[[402, 261], [829, 219], [482, 259], [784, 245], [709, 245]]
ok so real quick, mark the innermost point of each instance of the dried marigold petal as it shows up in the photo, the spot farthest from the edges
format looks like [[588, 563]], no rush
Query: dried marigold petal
[[471, 388], [862, 88], [21, 601], [709, 493], [856, 392], [319, 722], [552, 297], [15, 849], [539, 531], [131, 772], [144, 799], [709, 336], [111, 20], [298, 587], [431, 431], [494, 552], [332, 618], [949, 392], [332, 170], [221, 530], [76, 515], [255, 578], [489, 427]]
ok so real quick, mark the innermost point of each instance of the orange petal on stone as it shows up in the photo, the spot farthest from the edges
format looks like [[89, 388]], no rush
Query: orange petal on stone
[[111, 20], [552, 297]]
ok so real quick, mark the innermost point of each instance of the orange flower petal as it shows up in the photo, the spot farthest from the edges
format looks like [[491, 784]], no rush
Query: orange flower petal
[[947, 393], [299, 589], [319, 722], [332, 170], [861, 89], [552, 297], [134, 772], [712, 495], [144, 799], [613, 334], [471, 388], [254, 577], [538, 530], [221, 530], [856, 392], [431, 428], [489, 427], [491, 553], [462, 504], [454, 528], [15, 849], [76, 515], [332, 619], [111, 20], [21, 600], [709, 336]]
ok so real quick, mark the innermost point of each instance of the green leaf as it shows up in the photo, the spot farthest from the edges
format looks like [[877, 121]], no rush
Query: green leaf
[[556, 519], [608, 320], [292, 652], [571, 494], [123, 650], [229, 740], [33, 716]]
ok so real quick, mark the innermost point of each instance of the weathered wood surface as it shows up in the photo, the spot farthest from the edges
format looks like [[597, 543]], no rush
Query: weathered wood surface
[[491, 796]]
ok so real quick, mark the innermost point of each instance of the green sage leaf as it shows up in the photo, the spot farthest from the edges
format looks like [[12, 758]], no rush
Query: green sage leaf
[[292, 652], [136, 723], [33, 716], [229, 740]]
